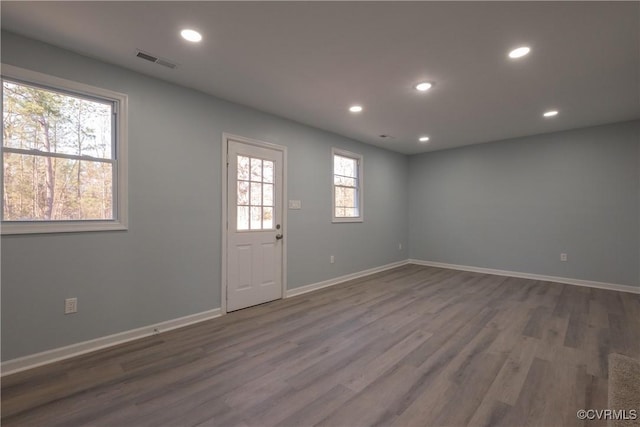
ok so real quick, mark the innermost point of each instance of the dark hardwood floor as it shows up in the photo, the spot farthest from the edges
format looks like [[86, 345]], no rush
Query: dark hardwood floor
[[413, 346]]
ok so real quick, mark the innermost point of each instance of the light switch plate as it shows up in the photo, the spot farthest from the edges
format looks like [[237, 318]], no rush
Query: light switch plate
[[70, 305], [295, 204]]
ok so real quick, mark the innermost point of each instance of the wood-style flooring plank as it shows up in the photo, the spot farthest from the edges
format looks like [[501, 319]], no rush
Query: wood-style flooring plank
[[411, 346]]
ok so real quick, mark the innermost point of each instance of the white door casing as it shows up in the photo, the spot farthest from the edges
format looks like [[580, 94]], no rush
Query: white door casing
[[254, 253]]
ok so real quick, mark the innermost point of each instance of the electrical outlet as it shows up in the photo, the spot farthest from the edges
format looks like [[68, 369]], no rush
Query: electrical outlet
[[70, 305], [332, 259], [563, 257], [399, 246]]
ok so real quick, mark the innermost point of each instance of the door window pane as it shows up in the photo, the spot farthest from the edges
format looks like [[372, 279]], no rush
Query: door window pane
[[243, 217], [256, 217], [267, 194], [255, 194], [267, 218], [243, 168], [256, 170], [243, 193]]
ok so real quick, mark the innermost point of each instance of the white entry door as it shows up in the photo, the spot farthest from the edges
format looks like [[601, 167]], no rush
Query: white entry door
[[254, 228]]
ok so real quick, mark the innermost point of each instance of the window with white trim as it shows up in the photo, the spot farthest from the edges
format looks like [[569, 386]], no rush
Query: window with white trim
[[347, 186], [64, 155]]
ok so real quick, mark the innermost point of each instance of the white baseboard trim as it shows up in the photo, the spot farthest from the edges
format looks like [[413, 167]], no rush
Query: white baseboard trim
[[54, 355], [38, 359], [331, 282], [567, 280]]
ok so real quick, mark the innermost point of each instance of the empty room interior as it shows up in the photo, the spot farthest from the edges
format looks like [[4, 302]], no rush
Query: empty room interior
[[320, 213]]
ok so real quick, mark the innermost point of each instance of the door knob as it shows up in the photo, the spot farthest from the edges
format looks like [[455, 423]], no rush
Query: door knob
[[279, 236]]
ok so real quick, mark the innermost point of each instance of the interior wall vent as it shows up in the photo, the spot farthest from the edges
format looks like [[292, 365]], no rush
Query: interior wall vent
[[151, 58]]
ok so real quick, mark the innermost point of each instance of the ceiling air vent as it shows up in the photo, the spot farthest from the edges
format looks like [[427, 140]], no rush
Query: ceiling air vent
[[148, 57], [165, 63]]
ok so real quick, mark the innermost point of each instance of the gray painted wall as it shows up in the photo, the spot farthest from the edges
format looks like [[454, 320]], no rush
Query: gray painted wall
[[512, 205], [517, 204], [167, 264]]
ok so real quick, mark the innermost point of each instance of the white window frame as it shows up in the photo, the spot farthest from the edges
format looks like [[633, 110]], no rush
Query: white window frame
[[120, 188], [359, 189]]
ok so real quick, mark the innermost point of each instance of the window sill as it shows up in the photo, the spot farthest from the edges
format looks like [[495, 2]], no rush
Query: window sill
[[346, 220], [12, 228]]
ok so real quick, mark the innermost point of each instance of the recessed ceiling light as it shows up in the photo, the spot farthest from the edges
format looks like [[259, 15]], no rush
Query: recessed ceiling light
[[423, 139], [191, 35], [355, 108], [519, 52], [424, 86], [550, 113]]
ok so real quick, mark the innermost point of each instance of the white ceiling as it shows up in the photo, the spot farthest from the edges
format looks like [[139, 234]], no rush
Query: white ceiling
[[309, 61]]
